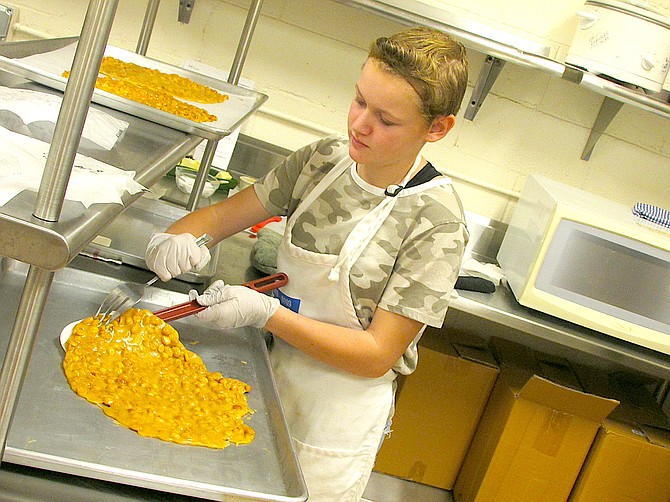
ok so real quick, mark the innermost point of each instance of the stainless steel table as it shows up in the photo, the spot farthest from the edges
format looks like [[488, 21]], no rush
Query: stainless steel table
[[512, 320]]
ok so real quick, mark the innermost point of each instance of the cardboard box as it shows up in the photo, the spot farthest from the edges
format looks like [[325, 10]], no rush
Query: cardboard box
[[630, 458], [535, 432], [438, 408]]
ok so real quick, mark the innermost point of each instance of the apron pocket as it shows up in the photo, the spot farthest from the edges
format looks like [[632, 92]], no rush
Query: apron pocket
[[334, 475]]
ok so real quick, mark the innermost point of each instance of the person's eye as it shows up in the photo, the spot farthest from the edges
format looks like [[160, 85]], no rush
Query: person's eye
[[386, 122]]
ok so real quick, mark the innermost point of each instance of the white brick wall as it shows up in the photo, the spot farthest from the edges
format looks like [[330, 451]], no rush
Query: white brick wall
[[306, 55]]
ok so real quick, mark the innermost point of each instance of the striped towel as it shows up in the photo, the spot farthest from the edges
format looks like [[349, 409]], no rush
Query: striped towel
[[653, 214]]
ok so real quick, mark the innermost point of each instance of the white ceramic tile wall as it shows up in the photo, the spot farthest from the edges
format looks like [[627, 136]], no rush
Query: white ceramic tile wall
[[306, 55]]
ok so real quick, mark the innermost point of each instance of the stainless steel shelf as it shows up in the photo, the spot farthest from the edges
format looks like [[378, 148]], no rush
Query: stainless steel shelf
[[474, 34], [502, 47], [147, 148], [502, 308], [42, 61]]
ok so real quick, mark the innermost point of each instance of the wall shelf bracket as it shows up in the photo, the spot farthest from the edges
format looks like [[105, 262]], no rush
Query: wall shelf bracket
[[487, 77], [185, 10], [608, 110]]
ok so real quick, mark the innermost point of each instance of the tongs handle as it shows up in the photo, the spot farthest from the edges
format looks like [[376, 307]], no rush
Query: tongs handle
[[262, 285], [178, 311], [265, 284]]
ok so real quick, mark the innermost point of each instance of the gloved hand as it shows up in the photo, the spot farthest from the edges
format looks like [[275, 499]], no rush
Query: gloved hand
[[171, 255], [235, 306]]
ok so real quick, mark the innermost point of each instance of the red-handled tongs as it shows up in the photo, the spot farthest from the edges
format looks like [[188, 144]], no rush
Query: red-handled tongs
[[262, 285]]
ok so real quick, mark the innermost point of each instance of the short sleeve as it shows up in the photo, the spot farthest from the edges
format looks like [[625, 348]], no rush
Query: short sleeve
[[411, 266], [425, 273], [281, 190]]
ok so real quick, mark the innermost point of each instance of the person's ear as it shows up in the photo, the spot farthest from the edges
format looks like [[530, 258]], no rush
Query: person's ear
[[440, 127]]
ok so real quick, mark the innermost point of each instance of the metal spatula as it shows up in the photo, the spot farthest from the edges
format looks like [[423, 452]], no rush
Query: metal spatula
[[128, 294]]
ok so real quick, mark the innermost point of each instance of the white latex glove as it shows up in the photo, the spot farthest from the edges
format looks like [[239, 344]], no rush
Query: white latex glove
[[171, 255], [235, 306]]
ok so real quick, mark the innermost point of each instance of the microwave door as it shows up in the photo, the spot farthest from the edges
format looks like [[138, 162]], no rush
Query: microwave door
[[609, 273]]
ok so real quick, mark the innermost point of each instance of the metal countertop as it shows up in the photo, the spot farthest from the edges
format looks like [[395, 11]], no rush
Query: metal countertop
[[576, 342]]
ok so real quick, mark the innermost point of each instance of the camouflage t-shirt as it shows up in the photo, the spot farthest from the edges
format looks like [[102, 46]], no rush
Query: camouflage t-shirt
[[410, 266]]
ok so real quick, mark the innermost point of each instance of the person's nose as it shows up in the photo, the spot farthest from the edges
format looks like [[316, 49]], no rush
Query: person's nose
[[362, 123]]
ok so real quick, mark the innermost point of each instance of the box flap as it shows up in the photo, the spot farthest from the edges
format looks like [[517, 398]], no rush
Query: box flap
[[637, 403], [659, 437], [558, 370], [508, 353], [459, 344], [516, 360], [653, 435], [643, 416], [548, 380], [637, 407], [476, 354], [567, 400], [437, 340]]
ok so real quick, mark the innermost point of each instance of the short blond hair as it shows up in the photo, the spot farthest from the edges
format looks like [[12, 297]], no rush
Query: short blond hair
[[432, 62]]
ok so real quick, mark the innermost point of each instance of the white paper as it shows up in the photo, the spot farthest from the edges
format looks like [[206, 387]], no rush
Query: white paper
[[33, 106], [91, 181], [488, 271]]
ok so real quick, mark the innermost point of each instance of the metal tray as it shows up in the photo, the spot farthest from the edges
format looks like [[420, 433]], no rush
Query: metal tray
[[44, 61], [125, 239], [57, 430]]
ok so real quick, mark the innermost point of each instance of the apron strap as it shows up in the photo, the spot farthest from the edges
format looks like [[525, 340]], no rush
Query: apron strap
[[320, 187], [366, 229]]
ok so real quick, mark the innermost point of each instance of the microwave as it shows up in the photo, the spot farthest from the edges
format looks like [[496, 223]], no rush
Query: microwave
[[589, 260]]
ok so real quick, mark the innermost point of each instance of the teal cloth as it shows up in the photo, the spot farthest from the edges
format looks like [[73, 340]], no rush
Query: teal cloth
[[264, 251]]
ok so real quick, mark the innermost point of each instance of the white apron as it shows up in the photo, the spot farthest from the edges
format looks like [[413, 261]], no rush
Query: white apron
[[336, 419]]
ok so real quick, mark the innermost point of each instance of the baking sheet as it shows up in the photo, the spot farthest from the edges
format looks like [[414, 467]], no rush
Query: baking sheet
[[55, 429], [49, 59], [125, 239]]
